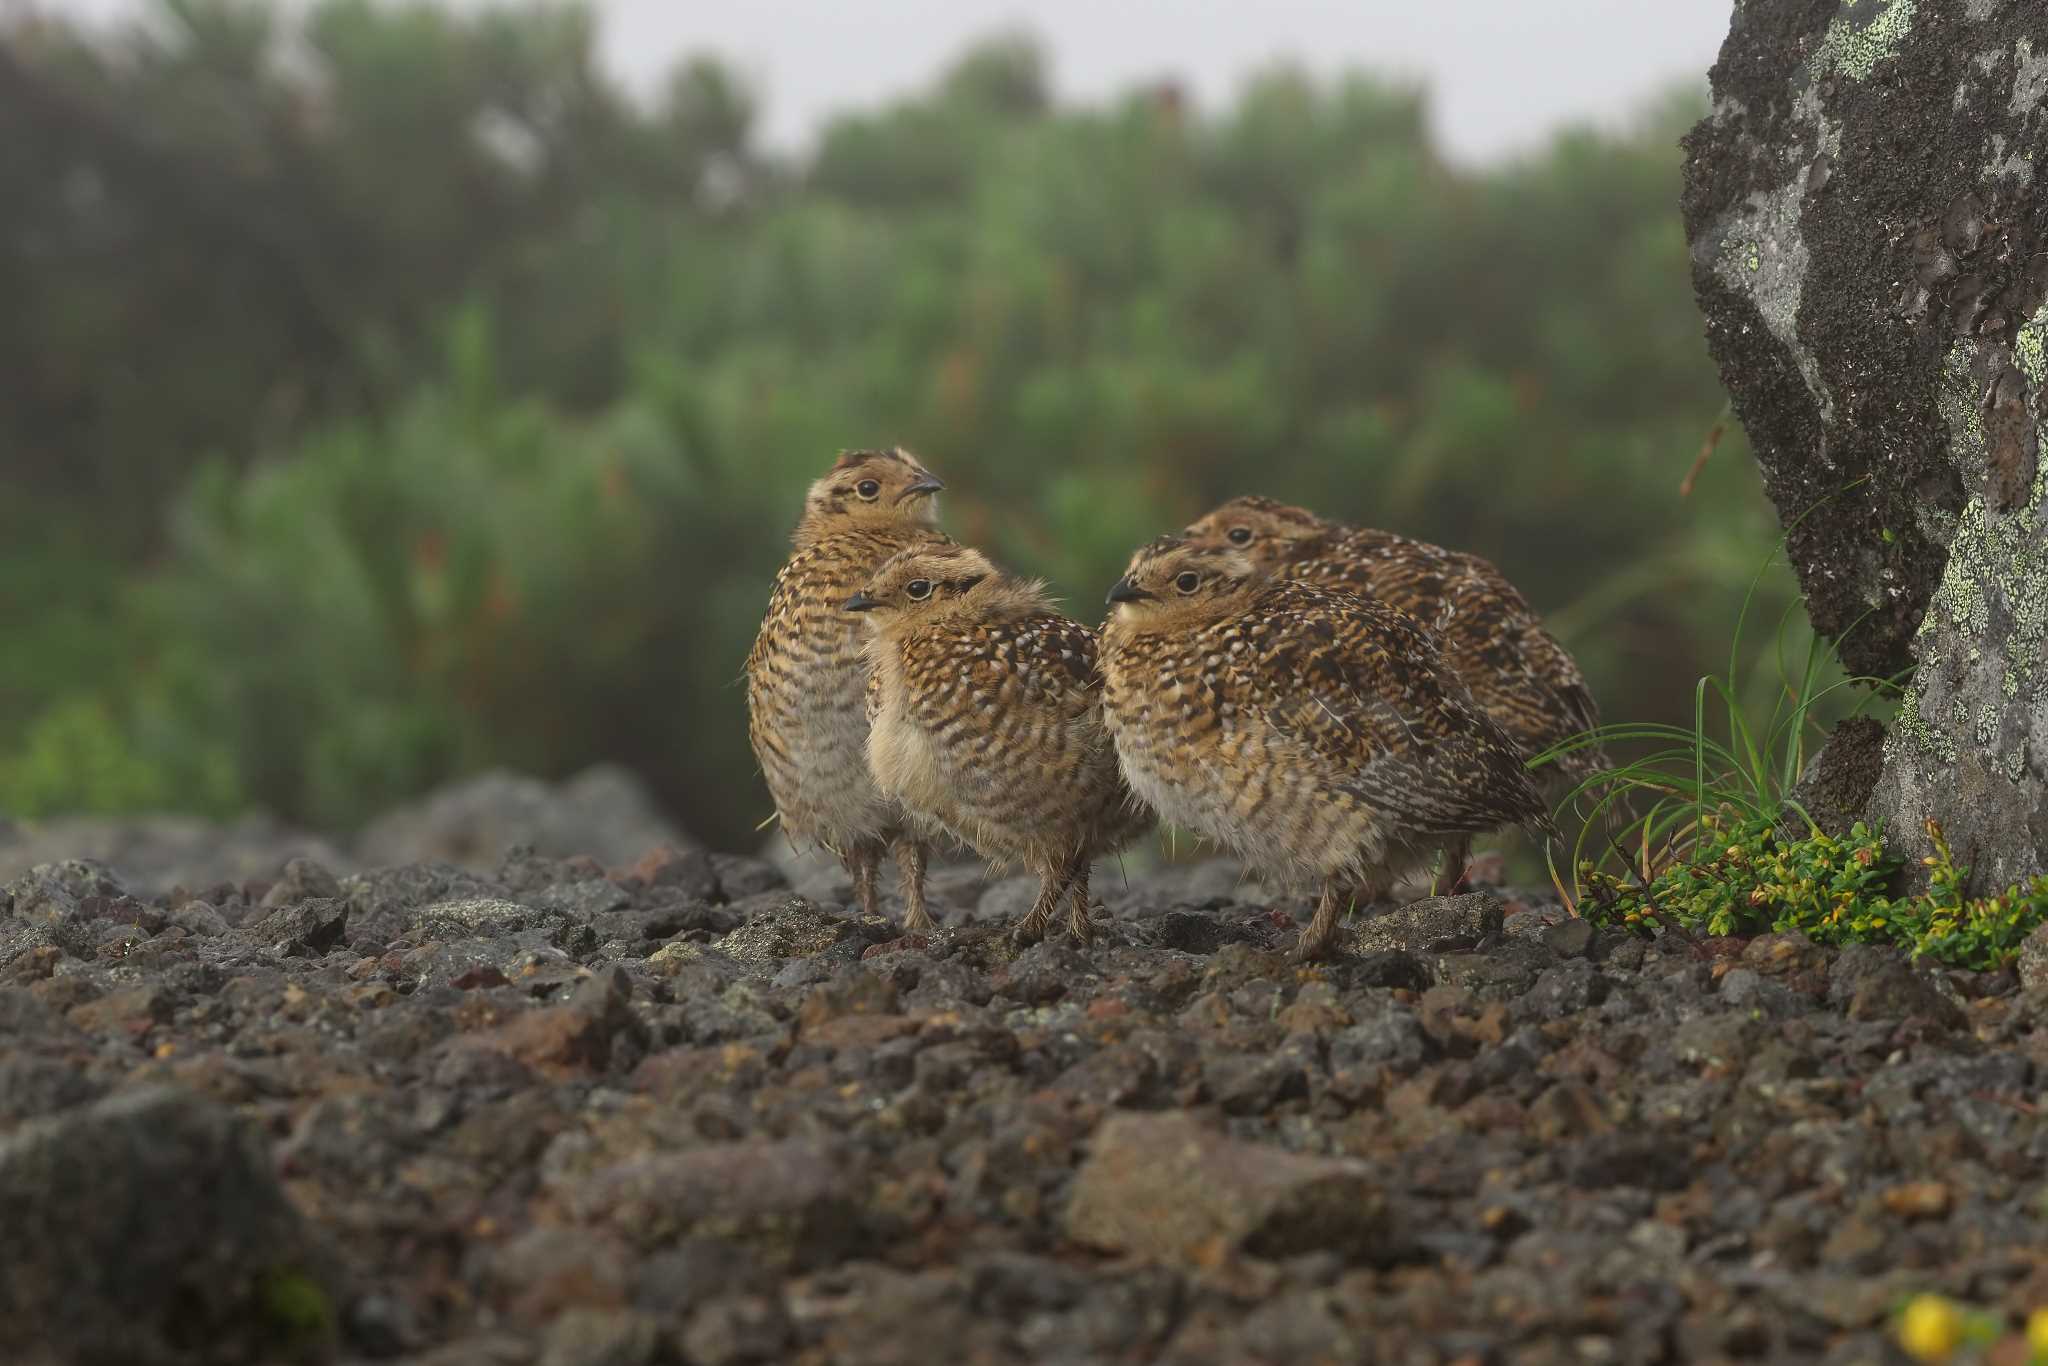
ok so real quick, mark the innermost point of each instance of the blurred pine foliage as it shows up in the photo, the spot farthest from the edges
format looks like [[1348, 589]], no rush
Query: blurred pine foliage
[[384, 394]]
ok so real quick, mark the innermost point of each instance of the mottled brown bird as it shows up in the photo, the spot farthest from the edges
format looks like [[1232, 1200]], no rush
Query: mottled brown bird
[[987, 722], [807, 673], [1319, 734], [1517, 671]]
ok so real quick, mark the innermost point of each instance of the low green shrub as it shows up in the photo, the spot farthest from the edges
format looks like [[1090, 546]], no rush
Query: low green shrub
[[77, 757], [1749, 877], [90, 756]]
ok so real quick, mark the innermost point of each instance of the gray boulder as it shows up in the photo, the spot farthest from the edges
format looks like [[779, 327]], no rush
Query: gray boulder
[[603, 812], [1870, 250], [150, 1228]]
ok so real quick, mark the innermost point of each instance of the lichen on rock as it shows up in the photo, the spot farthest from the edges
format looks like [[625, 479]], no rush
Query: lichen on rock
[[1862, 36], [1981, 645]]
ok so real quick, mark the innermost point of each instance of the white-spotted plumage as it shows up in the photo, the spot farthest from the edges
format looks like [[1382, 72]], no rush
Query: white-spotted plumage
[[807, 674], [1491, 637], [1319, 735], [986, 715]]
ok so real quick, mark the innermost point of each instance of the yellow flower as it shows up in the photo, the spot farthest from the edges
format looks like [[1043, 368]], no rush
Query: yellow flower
[[1931, 1329]]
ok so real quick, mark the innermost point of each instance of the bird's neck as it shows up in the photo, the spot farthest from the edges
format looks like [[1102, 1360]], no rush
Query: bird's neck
[[1170, 619], [814, 530]]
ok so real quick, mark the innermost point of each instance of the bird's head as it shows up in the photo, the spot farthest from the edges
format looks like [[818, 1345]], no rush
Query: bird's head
[[1174, 576], [1271, 533], [891, 486], [919, 582]]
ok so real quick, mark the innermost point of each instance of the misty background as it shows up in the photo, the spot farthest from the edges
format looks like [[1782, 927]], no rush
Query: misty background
[[388, 392], [1502, 74]]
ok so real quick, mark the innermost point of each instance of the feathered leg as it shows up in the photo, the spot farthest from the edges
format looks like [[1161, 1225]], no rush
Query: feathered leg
[[1053, 880], [1321, 933], [864, 861], [1077, 889], [1457, 862], [1316, 939], [911, 858]]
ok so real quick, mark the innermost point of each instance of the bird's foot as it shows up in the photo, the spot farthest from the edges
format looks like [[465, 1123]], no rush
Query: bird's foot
[[1028, 931], [1315, 943]]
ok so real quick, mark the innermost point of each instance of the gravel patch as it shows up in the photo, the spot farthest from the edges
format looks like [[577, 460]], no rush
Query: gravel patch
[[679, 1113]]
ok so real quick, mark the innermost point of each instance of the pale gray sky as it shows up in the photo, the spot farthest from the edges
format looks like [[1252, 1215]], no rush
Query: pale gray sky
[[1502, 72]]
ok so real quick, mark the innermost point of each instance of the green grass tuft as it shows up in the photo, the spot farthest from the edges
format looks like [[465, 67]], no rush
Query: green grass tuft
[[1710, 831]]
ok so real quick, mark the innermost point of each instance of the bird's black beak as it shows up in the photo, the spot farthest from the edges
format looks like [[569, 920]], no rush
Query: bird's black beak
[[928, 484], [859, 602], [1125, 591]]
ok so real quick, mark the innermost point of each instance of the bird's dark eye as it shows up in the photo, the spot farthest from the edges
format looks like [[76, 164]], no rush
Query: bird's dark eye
[[1188, 581], [1240, 535], [918, 589], [868, 489]]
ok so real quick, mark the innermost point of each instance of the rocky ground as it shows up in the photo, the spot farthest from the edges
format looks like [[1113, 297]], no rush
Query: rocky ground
[[680, 1114]]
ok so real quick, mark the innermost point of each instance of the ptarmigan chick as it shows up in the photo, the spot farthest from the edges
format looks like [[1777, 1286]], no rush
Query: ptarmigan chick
[[1517, 671], [987, 722], [807, 675], [1317, 733]]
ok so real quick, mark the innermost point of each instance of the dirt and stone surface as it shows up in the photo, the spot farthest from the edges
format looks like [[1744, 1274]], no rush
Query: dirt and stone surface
[[677, 1113]]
